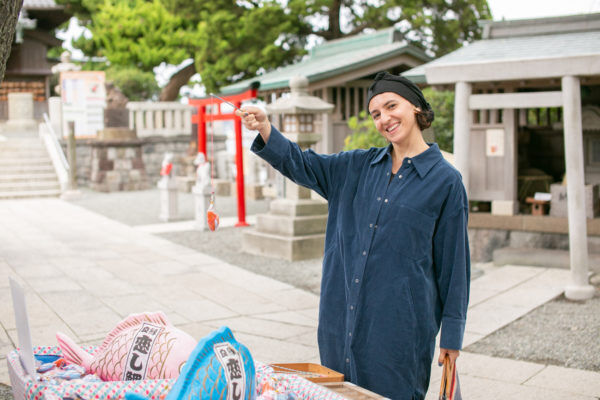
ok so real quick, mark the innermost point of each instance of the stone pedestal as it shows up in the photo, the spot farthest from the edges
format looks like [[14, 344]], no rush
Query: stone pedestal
[[168, 199], [201, 202], [20, 116], [292, 230]]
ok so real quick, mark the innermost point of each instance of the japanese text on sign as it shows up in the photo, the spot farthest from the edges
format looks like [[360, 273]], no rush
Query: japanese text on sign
[[139, 353], [231, 361]]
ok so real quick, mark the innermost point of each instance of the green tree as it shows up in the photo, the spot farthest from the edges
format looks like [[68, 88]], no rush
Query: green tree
[[234, 40], [439, 25], [136, 85], [365, 135]]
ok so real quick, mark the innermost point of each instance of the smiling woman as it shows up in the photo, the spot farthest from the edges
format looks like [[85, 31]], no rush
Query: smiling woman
[[396, 264]]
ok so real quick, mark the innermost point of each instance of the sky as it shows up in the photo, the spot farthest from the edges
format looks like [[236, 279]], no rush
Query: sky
[[522, 9]]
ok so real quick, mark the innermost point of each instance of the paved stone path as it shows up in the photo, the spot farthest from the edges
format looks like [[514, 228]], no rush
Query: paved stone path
[[83, 273]]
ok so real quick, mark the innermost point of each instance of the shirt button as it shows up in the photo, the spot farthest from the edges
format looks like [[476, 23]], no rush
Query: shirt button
[[364, 253], [352, 307], [370, 225], [356, 280], [400, 176], [379, 199], [347, 360], [388, 174], [386, 200], [410, 161], [349, 333], [375, 226]]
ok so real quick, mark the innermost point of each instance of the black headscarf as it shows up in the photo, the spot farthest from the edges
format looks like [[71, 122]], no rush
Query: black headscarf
[[386, 82]]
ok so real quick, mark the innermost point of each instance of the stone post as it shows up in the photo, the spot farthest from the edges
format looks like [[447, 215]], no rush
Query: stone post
[[55, 114], [167, 186], [579, 287], [20, 116], [72, 192], [462, 130], [202, 191]]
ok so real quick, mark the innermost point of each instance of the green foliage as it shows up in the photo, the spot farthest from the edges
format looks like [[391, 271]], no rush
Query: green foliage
[[234, 40], [439, 25], [365, 135], [135, 84], [442, 103]]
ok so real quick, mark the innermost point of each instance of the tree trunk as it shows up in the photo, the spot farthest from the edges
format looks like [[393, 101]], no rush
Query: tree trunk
[[9, 9], [179, 78]]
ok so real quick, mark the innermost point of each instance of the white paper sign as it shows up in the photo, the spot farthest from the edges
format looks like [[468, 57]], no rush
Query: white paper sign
[[542, 196], [494, 142], [23, 332]]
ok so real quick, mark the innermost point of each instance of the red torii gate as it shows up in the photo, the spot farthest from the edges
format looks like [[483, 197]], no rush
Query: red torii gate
[[201, 118]]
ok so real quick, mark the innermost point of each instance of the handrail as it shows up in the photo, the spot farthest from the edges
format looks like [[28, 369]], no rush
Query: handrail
[[55, 151]]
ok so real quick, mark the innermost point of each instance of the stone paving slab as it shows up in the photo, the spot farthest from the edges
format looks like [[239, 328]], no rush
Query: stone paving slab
[[567, 380]]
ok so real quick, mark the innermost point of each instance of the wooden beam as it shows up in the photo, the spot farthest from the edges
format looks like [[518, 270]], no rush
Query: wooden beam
[[515, 100]]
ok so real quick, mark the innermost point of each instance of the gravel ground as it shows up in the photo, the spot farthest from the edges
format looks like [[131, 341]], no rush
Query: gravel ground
[[560, 332], [225, 244]]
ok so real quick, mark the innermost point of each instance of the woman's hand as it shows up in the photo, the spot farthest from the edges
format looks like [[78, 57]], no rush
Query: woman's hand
[[452, 354], [255, 119]]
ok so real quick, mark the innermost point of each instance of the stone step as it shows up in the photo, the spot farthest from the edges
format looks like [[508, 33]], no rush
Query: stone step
[[28, 169], [550, 258], [26, 176], [18, 153], [29, 193], [29, 186], [289, 248], [291, 226], [6, 162]]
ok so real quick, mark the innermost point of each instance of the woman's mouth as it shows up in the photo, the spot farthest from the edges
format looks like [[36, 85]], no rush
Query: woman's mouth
[[392, 127]]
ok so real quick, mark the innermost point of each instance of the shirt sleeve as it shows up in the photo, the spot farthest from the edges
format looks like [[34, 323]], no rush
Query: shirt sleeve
[[453, 267], [305, 168]]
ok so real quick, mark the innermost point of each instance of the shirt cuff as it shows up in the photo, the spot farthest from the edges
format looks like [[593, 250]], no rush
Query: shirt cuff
[[452, 333], [273, 150]]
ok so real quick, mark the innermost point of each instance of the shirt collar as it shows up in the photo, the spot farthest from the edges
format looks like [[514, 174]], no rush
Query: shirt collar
[[423, 162]]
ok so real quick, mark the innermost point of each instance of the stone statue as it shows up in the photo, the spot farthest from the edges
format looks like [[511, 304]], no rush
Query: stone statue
[[202, 170]]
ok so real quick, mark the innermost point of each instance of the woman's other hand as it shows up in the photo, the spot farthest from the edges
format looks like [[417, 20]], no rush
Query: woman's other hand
[[452, 354], [255, 119]]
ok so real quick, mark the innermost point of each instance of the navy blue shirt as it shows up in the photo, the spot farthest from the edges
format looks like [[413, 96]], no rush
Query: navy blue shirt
[[396, 263]]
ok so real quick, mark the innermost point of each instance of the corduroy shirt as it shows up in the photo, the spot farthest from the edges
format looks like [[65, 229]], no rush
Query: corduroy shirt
[[396, 263]]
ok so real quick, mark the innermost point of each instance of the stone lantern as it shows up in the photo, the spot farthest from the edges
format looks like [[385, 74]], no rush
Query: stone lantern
[[294, 227]]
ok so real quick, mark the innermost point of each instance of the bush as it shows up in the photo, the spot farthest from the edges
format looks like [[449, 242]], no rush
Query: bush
[[137, 85], [365, 135]]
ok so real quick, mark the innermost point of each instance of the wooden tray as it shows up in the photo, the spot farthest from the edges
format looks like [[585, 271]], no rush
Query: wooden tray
[[312, 372], [350, 391]]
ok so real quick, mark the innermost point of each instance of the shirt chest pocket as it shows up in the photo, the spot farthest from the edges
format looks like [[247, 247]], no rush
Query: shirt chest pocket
[[409, 232]]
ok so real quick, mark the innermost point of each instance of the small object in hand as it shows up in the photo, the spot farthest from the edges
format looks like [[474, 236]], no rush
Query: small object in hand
[[231, 104]]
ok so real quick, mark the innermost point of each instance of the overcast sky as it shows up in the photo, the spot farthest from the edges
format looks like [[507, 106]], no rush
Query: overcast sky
[[519, 9]]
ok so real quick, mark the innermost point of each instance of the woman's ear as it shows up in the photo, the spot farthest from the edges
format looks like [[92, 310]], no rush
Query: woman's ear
[[417, 110]]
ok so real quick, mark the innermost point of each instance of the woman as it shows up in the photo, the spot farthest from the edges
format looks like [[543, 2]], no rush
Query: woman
[[396, 263]]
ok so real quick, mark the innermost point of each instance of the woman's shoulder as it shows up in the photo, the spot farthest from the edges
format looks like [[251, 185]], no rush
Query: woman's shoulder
[[363, 155]]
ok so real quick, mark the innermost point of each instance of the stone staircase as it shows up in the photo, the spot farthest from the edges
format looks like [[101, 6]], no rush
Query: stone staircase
[[26, 169]]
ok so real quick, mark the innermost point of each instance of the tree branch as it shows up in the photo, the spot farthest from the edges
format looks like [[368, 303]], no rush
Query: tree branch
[[179, 78]]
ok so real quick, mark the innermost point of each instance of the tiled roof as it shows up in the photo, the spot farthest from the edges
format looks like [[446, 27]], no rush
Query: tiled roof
[[334, 58], [517, 48]]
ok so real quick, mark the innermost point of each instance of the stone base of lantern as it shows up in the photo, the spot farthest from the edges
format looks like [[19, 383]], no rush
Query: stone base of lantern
[[293, 230]]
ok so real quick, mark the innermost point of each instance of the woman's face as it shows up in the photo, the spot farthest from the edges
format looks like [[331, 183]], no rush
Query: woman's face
[[394, 117]]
